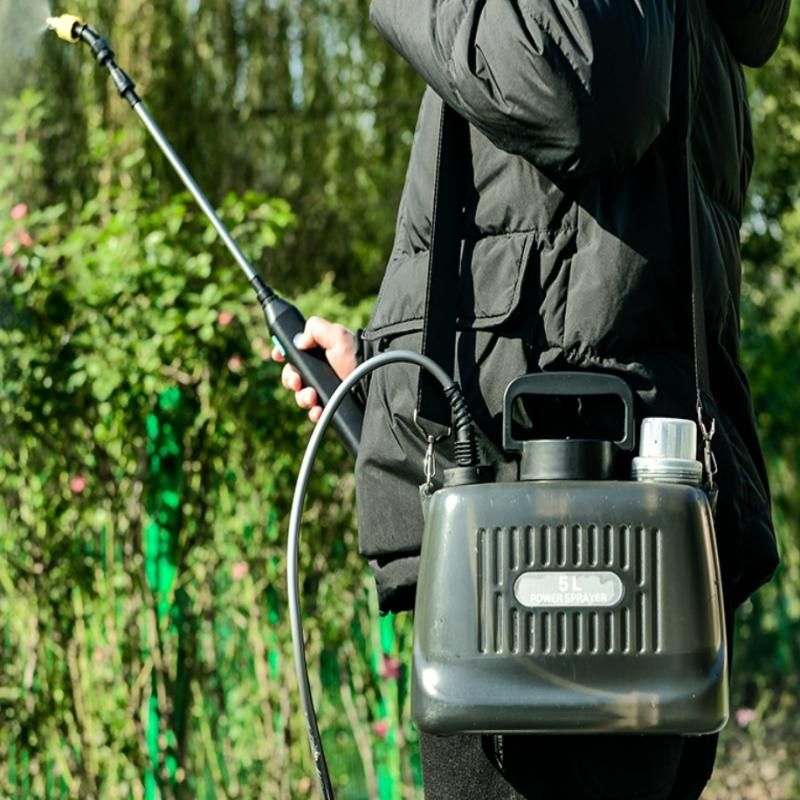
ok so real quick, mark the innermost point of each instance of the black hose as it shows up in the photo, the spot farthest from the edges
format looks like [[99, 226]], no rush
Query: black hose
[[462, 423]]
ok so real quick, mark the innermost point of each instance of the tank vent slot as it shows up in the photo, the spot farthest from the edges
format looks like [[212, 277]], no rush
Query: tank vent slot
[[507, 627]]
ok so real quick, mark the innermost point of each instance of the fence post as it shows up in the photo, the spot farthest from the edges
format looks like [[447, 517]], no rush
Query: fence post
[[165, 468]]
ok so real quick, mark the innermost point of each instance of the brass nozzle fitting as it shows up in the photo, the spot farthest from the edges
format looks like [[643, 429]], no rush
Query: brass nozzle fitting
[[65, 26]]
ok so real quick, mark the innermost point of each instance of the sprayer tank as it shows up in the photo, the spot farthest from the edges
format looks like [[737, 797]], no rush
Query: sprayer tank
[[569, 606]]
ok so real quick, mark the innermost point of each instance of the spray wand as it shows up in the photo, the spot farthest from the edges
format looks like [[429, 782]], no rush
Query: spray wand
[[283, 319]]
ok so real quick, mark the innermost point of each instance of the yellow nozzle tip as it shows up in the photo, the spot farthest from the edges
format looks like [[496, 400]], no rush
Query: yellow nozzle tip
[[64, 26]]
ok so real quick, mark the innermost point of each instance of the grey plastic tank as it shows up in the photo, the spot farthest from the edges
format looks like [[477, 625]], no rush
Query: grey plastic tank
[[569, 605]]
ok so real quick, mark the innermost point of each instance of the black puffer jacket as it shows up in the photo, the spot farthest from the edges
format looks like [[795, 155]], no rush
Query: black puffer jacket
[[575, 232]]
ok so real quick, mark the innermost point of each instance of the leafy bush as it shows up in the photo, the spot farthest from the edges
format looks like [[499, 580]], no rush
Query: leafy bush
[[147, 463]]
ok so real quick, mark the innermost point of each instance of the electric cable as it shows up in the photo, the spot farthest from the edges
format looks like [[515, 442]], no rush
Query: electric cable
[[464, 429]]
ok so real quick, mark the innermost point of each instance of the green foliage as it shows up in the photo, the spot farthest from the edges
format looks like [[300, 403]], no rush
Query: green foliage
[[147, 463], [284, 97], [769, 650], [759, 759]]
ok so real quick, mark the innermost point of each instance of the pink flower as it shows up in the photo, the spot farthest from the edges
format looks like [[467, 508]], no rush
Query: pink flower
[[19, 211], [225, 318], [25, 239], [8, 249], [235, 364], [239, 570], [77, 484], [745, 716], [381, 728], [390, 668]]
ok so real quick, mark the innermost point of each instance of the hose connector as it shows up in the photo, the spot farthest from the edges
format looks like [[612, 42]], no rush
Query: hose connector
[[468, 469], [465, 446], [66, 26]]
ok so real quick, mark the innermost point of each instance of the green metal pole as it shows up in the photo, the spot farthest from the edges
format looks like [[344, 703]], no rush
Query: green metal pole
[[164, 448], [387, 758]]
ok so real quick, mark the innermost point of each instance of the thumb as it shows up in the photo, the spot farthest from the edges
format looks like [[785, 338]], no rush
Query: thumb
[[339, 344], [318, 333]]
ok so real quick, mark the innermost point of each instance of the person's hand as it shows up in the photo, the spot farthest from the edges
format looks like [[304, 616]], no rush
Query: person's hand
[[340, 348]]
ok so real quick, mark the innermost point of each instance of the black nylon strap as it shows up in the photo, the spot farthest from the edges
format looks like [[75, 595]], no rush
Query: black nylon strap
[[441, 295], [702, 368], [702, 372]]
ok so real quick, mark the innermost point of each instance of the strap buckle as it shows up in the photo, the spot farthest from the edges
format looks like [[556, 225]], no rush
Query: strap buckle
[[708, 426], [429, 462]]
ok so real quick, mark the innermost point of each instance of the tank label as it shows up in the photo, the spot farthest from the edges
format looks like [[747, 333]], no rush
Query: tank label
[[568, 589]]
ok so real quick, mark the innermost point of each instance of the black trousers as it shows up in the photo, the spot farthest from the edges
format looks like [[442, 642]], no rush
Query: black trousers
[[625, 767]]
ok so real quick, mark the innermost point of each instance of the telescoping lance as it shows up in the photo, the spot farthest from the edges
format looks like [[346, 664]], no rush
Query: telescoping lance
[[284, 320]]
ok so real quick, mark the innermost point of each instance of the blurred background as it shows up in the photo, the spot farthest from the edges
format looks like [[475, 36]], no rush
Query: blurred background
[[148, 454]]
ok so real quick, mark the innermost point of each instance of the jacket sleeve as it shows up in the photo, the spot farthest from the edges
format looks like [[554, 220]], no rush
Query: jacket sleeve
[[574, 86], [752, 27]]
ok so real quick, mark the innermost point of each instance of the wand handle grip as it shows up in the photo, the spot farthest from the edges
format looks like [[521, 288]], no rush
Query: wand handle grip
[[285, 321]]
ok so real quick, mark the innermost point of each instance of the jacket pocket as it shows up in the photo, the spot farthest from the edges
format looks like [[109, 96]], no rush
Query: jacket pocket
[[489, 288]]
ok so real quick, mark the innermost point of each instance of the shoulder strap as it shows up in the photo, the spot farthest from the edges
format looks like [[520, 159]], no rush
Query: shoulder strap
[[702, 371], [441, 295]]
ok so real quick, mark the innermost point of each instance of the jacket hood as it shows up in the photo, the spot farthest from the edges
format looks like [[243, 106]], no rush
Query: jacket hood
[[752, 28]]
